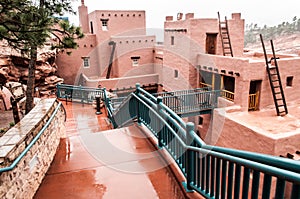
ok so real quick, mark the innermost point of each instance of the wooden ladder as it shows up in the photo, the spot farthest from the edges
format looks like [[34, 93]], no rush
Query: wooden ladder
[[275, 81], [225, 38]]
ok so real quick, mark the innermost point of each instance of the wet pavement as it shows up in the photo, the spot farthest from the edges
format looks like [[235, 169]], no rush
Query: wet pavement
[[95, 162]]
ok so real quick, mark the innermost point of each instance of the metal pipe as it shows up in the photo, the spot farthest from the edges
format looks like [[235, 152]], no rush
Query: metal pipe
[[18, 159]]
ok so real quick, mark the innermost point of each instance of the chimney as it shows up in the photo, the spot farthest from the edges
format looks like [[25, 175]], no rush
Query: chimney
[[236, 16], [83, 17]]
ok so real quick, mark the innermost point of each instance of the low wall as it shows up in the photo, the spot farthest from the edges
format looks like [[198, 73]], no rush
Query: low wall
[[125, 82], [228, 132], [23, 180]]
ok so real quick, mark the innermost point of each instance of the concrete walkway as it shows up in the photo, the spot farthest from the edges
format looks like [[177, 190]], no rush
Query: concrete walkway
[[95, 162]]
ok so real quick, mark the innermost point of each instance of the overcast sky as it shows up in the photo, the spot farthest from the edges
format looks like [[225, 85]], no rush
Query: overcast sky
[[255, 11]]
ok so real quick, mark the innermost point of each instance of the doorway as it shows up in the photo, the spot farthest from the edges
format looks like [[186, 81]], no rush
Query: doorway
[[211, 42], [254, 95]]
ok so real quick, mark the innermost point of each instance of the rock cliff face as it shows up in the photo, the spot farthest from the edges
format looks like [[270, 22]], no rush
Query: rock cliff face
[[14, 68]]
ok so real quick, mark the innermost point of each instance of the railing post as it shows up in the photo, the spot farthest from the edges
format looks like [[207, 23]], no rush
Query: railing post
[[138, 86], [160, 126], [81, 94], [190, 157], [98, 112], [58, 90], [104, 94]]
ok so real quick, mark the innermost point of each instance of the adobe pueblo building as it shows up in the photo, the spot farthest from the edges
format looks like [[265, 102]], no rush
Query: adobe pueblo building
[[117, 53]]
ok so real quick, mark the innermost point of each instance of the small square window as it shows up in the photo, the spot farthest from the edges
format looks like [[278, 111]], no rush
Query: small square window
[[172, 40], [175, 73], [135, 61], [86, 62], [289, 81], [104, 24]]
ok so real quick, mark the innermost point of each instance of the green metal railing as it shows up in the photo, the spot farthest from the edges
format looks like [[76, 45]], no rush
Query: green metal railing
[[183, 101], [78, 93], [34, 140], [214, 172]]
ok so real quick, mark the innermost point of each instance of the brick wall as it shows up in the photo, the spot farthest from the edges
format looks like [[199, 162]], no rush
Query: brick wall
[[23, 180]]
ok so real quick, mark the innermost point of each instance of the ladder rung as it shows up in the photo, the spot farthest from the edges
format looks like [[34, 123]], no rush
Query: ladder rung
[[271, 66], [277, 93], [276, 80], [276, 86], [279, 99], [280, 105]]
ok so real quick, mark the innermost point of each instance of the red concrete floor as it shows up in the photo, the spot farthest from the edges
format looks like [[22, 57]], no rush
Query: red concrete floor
[[94, 162]]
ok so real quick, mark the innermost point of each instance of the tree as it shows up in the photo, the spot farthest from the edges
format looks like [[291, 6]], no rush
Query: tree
[[27, 25]]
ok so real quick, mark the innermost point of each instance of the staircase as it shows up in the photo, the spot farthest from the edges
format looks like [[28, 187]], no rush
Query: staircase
[[225, 38], [275, 81]]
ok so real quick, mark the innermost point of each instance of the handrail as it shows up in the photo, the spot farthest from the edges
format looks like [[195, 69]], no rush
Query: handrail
[[109, 108], [227, 95], [271, 160], [210, 169], [278, 172], [181, 92], [34, 140], [84, 94]]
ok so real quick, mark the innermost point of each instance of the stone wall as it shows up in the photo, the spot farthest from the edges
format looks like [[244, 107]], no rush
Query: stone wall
[[23, 180]]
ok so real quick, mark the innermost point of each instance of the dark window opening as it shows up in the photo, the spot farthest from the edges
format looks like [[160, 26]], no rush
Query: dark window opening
[[200, 122], [228, 83], [176, 73], [172, 40], [289, 81], [92, 28], [211, 42], [205, 77]]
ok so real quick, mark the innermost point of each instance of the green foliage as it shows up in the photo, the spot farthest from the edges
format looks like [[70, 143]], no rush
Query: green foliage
[[24, 24], [11, 124], [28, 24], [2, 130], [252, 31]]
